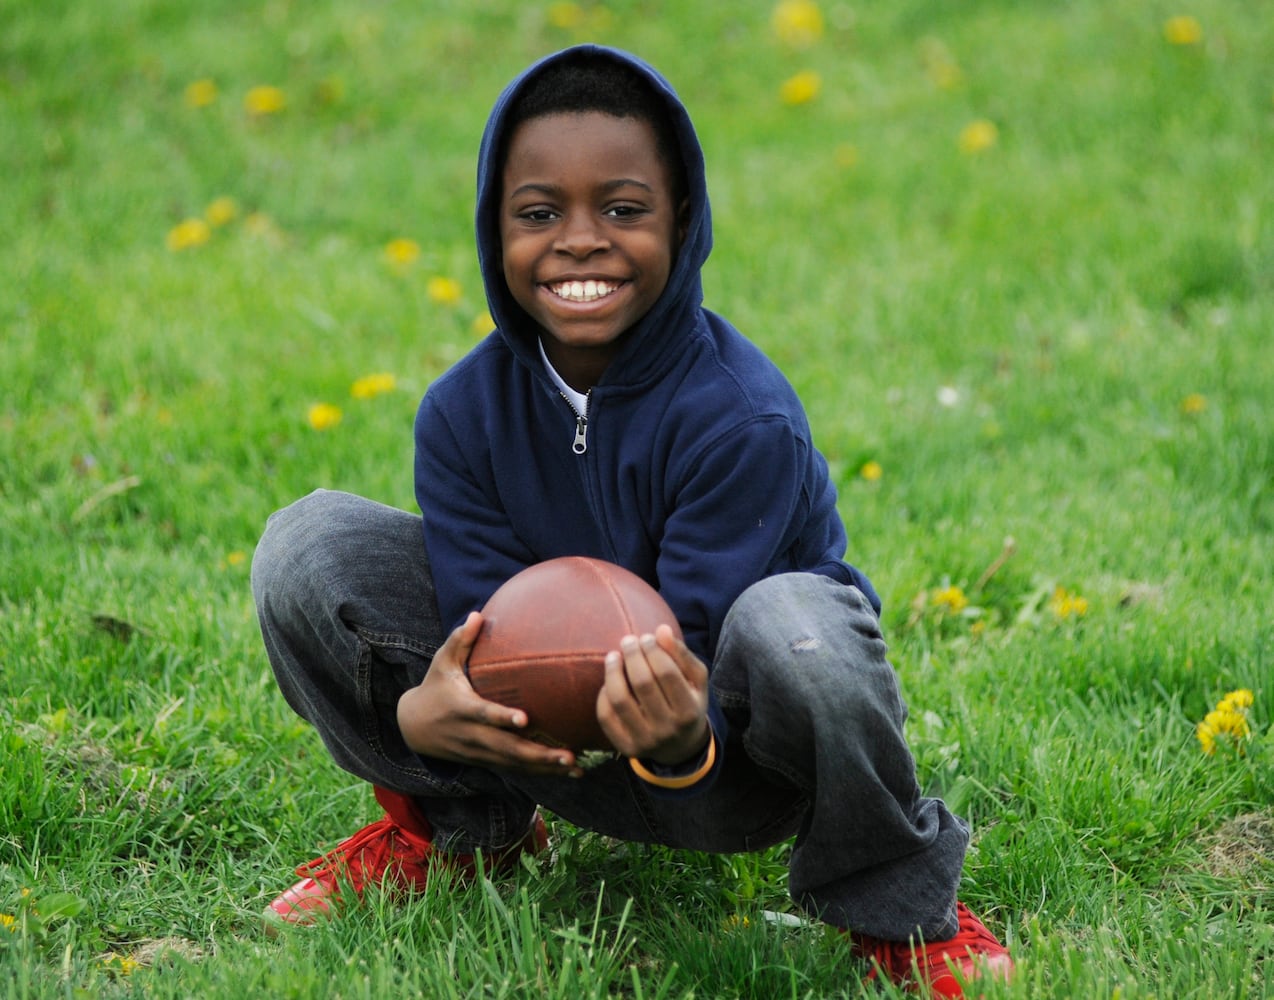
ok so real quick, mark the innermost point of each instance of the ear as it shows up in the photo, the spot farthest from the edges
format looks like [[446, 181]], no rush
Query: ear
[[683, 221]]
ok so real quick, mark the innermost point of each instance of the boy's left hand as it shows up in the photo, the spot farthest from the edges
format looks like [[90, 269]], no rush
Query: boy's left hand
[[654, 701]]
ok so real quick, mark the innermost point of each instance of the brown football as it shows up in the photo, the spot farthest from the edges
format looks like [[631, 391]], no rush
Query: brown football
[[544, 639]]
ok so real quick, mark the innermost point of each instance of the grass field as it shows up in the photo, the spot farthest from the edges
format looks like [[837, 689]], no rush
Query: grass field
[[1018, 258]]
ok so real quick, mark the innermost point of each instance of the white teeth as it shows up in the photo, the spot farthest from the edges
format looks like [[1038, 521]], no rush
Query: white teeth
[[583, 291]]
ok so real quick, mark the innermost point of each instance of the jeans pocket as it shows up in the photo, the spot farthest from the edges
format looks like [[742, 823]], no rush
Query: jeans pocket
[[387, 666]]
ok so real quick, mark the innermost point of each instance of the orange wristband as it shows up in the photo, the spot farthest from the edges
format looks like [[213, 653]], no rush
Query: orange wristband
[[682, 781]]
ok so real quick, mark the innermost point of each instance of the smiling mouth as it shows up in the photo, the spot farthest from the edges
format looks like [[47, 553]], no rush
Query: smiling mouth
[[583, 291]]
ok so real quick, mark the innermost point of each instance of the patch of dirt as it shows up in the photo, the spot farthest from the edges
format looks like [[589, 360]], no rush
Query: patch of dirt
[[1243, 848]]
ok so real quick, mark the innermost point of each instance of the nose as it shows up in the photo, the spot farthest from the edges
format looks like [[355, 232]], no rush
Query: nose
[[581, 236]]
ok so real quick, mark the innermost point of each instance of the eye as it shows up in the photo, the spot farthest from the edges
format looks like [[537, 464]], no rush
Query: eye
[[537, 216], [626, 211]]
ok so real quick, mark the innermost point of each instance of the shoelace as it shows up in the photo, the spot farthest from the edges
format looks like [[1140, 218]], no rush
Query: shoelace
[[373, 848], [896, 957]]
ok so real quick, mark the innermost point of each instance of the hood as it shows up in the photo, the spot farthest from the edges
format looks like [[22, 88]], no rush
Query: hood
[[653, 342]]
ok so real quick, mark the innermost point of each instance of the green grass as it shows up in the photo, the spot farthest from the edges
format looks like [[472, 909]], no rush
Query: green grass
[[1062, 340]]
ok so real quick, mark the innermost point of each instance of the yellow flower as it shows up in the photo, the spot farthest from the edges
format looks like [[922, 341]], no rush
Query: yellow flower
[[221, 210], [444, 291], [1237, 701], [482, 324], [120, 965], [1064, 604], [324, 416], [1183, 30], [977, 136], [871, 471], [373, 385], [200, 94], [565, 16], [264, 100], [798, 23], [402, 252], [1194, 404], [950, 599], [187, 234], [801, 88], [1228, 719], [9, 922]]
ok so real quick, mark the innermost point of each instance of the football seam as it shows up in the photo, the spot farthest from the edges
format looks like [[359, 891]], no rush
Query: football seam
[[573, 654], [616, 596]]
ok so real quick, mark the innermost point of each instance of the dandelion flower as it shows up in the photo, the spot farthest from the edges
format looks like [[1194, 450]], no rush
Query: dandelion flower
[[120, 965], [801, 88], [9, 922], [950, 599], [200, 94], [565, 16], [221, 211], [236, 558], [444, 291], [1228, 720], [798, 23], [401, 252], [1182, 30], [979, 135], [1194, 404], [1065, 605], [187, 234], [871, 471], [369, 386], [482, 324], [264, 100], [324, 416]]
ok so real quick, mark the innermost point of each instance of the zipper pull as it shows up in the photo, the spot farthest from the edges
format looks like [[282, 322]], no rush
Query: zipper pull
[[580, 444]]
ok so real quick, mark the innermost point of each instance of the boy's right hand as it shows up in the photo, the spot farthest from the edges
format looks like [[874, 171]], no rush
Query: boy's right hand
[[444, 717]]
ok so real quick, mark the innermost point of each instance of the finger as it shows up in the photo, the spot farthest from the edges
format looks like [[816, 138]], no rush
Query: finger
[[643, 675], [692, 669], [460, 642], [453, 659], [509, 751], [618, 712]]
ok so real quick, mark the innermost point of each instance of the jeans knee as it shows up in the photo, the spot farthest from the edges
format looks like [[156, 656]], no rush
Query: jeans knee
[[809, 641], [291, 547]]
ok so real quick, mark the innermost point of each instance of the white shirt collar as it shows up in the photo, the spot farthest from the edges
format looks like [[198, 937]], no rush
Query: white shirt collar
[[577, 399]]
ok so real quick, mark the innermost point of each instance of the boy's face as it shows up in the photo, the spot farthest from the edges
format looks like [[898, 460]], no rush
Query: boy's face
[[589, 233]]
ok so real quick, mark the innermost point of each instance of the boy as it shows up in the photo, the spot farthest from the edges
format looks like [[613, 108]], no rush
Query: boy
[[611, 415]]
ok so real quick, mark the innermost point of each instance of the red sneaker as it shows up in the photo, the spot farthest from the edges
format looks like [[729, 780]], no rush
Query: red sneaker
[[396, 850], [943, 966]]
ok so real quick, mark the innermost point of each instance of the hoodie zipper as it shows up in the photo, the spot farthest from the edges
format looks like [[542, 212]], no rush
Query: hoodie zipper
[[580, 444]]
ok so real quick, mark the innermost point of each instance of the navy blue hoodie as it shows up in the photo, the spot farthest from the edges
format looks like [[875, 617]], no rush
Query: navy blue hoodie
[[699, 472]]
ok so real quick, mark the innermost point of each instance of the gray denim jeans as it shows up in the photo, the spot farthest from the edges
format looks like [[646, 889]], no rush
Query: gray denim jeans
[[816, 750]]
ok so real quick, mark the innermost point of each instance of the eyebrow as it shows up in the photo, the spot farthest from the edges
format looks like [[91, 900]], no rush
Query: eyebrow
[[552, 189]]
